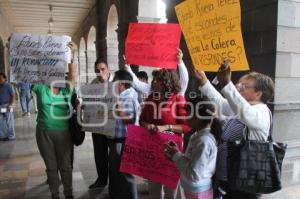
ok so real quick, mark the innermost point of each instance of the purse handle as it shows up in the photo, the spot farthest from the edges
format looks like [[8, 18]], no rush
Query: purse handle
[[270, 137]]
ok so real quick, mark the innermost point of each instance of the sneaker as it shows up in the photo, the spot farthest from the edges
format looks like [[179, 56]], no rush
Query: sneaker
[[28, 114], [97, 185], [24, 114]]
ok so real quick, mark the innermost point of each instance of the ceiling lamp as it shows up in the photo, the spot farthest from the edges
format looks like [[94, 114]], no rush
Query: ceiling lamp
[[50, 20]]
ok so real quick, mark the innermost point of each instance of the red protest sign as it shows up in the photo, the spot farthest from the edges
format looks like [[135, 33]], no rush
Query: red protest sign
[[152, 44], [143, 155]]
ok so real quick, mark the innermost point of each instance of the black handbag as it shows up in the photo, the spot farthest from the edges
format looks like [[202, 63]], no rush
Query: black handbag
[[75, 129], [254, 166]]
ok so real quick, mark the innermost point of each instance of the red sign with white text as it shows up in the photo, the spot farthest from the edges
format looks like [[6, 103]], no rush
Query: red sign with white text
[[154, 45], [143, 155]]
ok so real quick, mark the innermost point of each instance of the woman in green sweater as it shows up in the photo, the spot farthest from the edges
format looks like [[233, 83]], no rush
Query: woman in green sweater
[[52, 130]]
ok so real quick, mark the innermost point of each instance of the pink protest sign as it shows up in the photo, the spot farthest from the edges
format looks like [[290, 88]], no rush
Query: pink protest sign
[[152, 44], [143, 155]]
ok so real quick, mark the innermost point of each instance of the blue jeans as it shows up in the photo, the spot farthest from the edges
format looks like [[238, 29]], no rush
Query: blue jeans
[[7, 126], [25, 98]]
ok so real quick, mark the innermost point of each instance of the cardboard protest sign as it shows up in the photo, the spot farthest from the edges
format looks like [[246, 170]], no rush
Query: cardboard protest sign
[[98, 103], [143, 155], [212, 31], [38, 58], [152, 44]]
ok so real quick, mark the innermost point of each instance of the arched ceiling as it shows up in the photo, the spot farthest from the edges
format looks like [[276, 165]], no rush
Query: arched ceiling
[[31, 16]]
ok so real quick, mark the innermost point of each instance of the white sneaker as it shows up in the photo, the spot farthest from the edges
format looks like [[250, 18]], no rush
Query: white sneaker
[[28, 114]]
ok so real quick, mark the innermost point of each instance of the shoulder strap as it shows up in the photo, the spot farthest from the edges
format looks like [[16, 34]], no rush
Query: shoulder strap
[[67, 103], [270, 137]]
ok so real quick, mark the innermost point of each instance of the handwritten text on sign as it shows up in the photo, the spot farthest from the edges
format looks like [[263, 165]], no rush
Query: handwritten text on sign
[[143, 155], [38, 58], [152, 44], [212, 32], [98, 102]]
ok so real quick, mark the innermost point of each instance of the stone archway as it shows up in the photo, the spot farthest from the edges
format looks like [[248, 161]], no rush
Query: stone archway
[[112, 39], [82, 62], [2, 66], [91, 54]]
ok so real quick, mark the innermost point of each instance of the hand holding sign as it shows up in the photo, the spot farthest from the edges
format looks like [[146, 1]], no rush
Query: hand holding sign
[[179, 55], [200, 76], [171, 149], [73, 48], [224, 74]]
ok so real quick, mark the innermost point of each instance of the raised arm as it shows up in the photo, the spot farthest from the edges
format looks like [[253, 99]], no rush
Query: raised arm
[[183, 73], [72, 66], [256, 117], [208, 90], [137, 84], [254, 114]]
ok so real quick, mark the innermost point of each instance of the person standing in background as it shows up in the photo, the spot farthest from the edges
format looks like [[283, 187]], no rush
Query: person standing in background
[[99, 140], [7, 98], [25, 97]]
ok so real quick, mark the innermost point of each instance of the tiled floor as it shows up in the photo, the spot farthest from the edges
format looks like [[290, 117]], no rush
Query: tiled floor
[[22, 171]]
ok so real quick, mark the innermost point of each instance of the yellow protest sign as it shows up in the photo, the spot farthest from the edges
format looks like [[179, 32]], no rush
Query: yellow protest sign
[[212, 30]]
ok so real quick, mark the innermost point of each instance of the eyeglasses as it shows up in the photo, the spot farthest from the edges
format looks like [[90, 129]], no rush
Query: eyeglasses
[[243, 86]]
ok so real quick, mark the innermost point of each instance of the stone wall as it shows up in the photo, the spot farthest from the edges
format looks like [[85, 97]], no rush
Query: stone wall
[[287, 91]]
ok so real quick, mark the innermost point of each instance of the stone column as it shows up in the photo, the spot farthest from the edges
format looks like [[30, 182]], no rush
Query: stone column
[[287, 88], [6, 60], [112, 53], [91, 58], [149, 12], [112, 39], [82, 68]]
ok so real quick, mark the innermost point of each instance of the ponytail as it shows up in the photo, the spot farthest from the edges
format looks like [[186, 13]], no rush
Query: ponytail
[[217, 130]]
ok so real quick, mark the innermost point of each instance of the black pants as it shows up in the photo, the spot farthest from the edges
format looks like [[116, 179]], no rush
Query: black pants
[[121, 185], [231, 194], [100, 143]]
